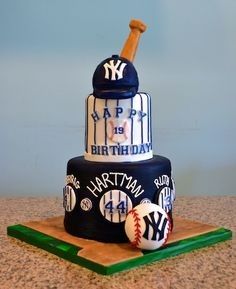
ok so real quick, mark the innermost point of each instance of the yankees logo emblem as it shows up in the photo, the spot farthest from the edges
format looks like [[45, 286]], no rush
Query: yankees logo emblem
[[114, 71], [86, 204], [155, 222]]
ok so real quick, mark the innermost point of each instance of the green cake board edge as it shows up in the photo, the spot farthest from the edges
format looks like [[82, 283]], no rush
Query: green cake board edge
[[69, 252]]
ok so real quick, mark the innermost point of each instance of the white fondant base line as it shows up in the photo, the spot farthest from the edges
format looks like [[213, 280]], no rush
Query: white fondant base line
[[114, 159]]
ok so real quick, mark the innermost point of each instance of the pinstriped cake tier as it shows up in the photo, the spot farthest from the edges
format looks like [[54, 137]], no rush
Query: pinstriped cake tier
[[118, 130]]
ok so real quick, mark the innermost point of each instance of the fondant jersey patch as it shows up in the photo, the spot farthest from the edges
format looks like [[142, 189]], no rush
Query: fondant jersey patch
[[166, 199], [69, 198], [114, 206]]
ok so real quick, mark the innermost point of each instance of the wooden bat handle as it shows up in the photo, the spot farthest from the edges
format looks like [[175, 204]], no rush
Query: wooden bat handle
[[129, 49]]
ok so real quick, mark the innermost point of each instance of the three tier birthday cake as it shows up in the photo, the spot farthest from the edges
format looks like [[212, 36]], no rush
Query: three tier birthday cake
[[118, 170], [118, 197]]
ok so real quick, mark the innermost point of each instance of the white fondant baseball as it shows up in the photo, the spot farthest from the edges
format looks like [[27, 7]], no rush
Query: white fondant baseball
[[147, 226]]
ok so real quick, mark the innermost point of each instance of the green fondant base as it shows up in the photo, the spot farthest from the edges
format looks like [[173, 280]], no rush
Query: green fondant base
[[70, 252]]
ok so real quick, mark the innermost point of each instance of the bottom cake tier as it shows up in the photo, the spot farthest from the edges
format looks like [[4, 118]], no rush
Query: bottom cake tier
[[98, 196]]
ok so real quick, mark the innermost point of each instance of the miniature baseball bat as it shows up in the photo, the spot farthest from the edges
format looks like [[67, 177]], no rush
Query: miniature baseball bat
[[129, 49]]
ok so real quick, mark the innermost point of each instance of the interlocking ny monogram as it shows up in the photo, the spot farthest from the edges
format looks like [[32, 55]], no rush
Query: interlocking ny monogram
[[112, 70], [155, 224]]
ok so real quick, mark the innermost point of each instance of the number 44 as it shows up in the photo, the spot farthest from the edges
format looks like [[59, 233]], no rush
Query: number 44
[[121, 206]]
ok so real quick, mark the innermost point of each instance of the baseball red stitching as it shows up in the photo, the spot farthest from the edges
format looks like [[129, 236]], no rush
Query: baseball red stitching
[[137, 226], [169, 230]]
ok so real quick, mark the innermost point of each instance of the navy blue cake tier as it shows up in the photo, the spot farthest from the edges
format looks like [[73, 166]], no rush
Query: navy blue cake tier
[[98, 196]]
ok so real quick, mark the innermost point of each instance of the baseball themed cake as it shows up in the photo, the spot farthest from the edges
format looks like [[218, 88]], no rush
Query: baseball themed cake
[[119, 171], [119, 196]]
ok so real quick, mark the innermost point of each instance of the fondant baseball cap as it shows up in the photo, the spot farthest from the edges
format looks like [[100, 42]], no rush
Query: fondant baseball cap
[[115, 78]]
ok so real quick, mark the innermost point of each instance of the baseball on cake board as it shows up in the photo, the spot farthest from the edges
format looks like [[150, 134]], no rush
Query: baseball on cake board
[[118, 196]]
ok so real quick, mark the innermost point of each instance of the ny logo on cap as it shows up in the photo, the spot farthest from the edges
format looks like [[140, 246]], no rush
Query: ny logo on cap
[[112, 70]]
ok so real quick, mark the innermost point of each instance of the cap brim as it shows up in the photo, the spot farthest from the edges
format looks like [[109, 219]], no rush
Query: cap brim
[[115, 93]]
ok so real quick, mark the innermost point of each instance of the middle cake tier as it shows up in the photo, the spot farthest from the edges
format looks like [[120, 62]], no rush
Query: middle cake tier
[[118, 130]]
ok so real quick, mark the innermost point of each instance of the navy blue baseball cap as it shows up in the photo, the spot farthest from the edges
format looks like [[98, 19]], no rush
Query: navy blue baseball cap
[[115, 78]]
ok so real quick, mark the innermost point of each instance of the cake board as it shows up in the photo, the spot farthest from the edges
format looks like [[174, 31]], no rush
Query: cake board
[[109, 258]]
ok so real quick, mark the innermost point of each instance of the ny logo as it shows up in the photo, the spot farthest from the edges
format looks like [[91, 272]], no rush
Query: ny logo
[[157, 224], [112, 70]]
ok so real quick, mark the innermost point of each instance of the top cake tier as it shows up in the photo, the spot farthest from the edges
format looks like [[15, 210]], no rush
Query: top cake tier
[[118, 118]]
